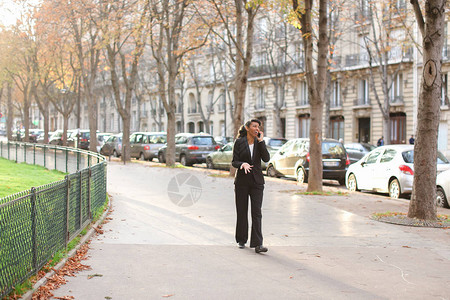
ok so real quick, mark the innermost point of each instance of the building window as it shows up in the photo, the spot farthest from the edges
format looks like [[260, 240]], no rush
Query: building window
[[337, 127], [201, 127], [398, 128], [363, 92], [303, 125], [397, 89], [222, 103], [336, 94], [179, 129], [191, 127], [192, 104], [303, 94], [260, 98], [445, 46]]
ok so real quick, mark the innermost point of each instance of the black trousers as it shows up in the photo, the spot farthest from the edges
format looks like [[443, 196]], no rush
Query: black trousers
[[242, 192]]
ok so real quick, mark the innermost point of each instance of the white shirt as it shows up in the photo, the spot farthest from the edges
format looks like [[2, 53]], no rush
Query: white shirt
[[251, 149]]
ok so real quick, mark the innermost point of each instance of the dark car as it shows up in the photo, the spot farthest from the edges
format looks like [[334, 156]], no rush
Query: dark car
[[356, 151], [191, 148], [292, 160], [112, 146]]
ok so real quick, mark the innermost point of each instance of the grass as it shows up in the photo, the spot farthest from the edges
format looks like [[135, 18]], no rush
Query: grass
[[16, 177]]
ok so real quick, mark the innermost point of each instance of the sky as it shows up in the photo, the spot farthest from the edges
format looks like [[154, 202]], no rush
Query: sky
[[9, 12]]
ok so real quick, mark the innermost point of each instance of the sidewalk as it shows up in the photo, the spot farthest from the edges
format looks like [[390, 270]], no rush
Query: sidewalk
[[320, 247]]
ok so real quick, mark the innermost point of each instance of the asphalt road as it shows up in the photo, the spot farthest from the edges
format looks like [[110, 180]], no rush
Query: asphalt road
[[172, 236]]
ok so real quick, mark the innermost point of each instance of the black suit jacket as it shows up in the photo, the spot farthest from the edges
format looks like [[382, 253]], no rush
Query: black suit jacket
[[241, 154]]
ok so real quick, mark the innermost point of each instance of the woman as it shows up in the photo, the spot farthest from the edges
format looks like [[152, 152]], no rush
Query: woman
[[249, 148]]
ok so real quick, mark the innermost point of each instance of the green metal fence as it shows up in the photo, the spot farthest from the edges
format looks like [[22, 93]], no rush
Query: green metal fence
[[36, 223]]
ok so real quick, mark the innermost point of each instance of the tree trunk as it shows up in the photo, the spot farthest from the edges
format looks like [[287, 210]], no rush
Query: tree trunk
[[9, 112], [422, 204], [93, 112]]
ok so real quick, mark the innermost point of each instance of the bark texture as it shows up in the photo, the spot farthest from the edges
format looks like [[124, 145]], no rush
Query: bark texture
[[422, 204]]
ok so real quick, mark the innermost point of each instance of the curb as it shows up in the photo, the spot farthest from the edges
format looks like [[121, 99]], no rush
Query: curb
[[84, 239]]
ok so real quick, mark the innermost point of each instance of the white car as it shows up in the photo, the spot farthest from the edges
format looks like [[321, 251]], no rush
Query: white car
[[387, 169], [443, 189]]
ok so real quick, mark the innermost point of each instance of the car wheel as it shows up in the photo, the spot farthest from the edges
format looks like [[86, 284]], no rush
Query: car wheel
[[271, 171], [183, 160], [115, 153], [141, 156], [441, 200], [394, 189], [301, 176], [209, 163], [351, 183], [161, 158]]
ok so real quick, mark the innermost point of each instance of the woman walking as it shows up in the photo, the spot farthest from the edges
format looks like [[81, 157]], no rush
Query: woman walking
[[249, 148]]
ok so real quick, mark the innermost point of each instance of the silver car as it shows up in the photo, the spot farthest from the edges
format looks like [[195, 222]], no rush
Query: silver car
[[387, 169], [112, 146], [145, 145], [443, 189]]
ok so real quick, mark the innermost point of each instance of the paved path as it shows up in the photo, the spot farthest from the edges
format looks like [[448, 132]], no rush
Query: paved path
[[320, 247]]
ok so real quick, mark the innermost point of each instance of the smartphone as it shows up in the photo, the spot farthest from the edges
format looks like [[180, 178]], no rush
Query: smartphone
[[259, 134]]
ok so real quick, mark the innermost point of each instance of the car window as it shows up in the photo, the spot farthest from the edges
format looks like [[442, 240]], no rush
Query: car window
[[202, 140], [157, 139], [227, 147], [367, 147], [276, 142], [349, 146], [334, 148], [408, 157], [288, 146], [388, 155], [372, 158], [181, 140]]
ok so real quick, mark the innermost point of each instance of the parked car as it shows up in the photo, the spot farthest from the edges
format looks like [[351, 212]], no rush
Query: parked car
[[221, 159], [101, 139], [292, 160], [56, 138], [112, 146], [387, 169], [443, 189], [145, 145], [273, 144], [222, 140], [191, 148], [356, 151], [34, 134]]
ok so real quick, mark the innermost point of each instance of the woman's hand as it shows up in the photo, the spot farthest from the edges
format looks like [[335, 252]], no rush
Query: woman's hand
[[260, 137], [247, 168]]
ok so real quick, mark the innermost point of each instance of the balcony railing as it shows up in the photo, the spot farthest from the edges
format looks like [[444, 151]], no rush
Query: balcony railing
[[302, 102], [361, 102], [397, 100]]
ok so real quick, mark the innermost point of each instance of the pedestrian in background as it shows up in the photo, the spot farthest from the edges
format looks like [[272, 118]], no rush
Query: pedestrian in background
[[380, 141], [248, 150], [411, 140]]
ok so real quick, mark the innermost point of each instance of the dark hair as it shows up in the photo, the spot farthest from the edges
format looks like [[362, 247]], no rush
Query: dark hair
[[242, 131]]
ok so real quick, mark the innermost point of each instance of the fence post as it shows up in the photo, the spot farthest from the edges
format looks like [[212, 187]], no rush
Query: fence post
[[17, 150], [66, 229], [89, 193], [33, 227], [25, 153], [81, 198], [55, 157], [45, 148], [34, 154], [9, 146], [1, 148], [67, 160], [78, 160]]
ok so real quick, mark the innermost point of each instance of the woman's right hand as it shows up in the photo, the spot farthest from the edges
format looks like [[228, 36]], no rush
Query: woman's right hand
[[247, 168]]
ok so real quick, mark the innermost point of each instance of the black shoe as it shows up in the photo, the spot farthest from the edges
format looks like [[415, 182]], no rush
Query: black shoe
[[241, 245], [261, 248]]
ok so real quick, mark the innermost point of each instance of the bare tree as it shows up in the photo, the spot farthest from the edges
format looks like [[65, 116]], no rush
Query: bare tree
[[316, 82], [170, 41], [422, 204]]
